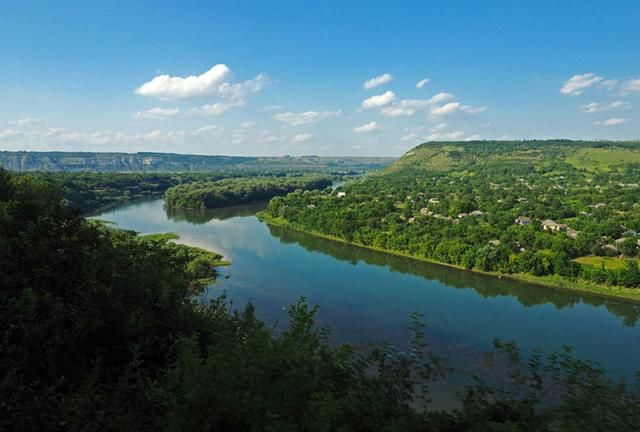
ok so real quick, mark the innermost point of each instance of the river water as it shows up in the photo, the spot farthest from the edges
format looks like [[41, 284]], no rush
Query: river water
[[369, 296]]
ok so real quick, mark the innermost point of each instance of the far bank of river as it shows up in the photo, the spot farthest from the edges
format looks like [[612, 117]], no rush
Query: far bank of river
[[368, 295], [554, 281]]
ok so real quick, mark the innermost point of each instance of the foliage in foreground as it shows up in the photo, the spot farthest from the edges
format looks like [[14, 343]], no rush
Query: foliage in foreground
[[99, 330]]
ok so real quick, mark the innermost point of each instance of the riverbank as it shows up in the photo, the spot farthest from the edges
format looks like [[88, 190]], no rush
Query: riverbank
[[553, 281]]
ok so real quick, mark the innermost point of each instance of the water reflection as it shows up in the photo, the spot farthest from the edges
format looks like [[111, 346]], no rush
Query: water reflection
[[202, 216], [487, 286]]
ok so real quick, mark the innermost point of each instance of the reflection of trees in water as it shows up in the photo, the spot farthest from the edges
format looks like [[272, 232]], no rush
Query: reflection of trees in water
[[202, 216], [488, 286]]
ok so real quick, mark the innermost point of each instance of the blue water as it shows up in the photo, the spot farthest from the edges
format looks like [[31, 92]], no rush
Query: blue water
[[365, 295]]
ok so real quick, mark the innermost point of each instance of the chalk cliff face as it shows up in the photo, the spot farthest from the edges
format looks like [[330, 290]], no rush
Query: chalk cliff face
[[129, 162]]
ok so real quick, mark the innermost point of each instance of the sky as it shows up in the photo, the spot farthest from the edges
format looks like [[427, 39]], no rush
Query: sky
[[334, 78]]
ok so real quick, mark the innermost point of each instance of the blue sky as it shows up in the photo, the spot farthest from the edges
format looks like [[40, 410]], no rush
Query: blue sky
[[280, 77]]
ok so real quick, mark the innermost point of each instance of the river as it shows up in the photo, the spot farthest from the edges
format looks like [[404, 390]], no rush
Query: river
[[366, 295]]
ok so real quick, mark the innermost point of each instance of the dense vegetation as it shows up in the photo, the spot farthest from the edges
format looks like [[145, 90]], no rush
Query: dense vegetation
[[527, 208], [234, 191], [92, 191], [170, 162], [100, 330]]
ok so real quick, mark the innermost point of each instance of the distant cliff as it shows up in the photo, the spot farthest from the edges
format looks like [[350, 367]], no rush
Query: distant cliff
[[168, 162]]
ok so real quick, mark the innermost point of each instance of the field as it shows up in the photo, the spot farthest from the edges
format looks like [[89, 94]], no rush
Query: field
[[610, 263], [602, 159]]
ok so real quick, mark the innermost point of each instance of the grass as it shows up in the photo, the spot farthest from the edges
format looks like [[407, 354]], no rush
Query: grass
[[602, 159], [553, 281], [161, 236], [608, 262]]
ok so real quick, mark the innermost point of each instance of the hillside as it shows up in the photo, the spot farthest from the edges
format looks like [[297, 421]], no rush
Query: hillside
[[452, 157], [531, 209], [169, 162]]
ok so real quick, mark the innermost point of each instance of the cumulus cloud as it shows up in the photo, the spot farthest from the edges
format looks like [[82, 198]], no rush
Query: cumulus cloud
[[8, 133], [216, 108], [578, 83], [207, 129], [379, 100], [157, 113], [369, 127], [446, 136], [377, 81], [408, 107], [612, 122], [248, 124], [455, 107], [301, 137], [303, 118], [213, 83], [631, 86], [26, 122], [422, 83], [596, 107]]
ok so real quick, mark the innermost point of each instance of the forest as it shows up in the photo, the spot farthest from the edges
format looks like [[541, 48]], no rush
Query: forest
[[234, 191], [562, 212], [100, 329]]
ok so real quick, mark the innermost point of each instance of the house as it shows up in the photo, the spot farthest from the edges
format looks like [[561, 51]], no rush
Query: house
[[494, 242], [571, 233], [411, 220], [523, 220], [476, 213], [552, 226], [462, 215], [425, 211], [433, 201], [342, 194], [311, 206]]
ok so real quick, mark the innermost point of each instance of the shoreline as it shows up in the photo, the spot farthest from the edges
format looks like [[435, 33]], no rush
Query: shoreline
[[558, 283]]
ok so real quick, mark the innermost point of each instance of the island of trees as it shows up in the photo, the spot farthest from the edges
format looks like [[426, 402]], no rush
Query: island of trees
[[240, 190], [100, 329], [565, 213]]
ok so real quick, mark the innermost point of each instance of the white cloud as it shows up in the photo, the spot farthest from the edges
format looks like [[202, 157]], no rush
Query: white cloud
[[409, 137], [440, 97], [612, 122], [216, 108], [379, 100], [301, 137], [157, 113], [206, 129], [631, 86], [369, 127], [422, 83], [248, 124], [26, 122], [578, 83], [214, 82], [454, 107], [408, 107], [309, 117], [377, 81], [8, 133], [595, 107], [446, 136]]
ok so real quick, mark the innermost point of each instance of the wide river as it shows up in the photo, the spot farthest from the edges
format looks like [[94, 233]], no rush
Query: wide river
[[365, 295]]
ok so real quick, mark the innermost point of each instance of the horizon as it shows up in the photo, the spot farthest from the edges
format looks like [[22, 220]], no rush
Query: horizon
[[257, 79]]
